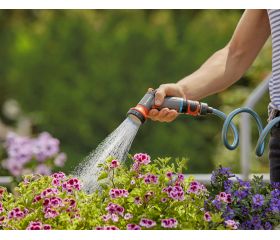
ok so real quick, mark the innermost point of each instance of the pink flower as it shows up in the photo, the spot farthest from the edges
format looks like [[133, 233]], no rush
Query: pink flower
[[49, 192], [128, 216], [2, 219], [47, 227], [132, 226], [207, 217], [114, 164], [114, 218], [196, 188], [115, 209], [106, 217], [107, 228], [137, 200], [169, 223], [231, 224], [59, 175], [142, 158], [148, 195], [35, 226], [71, 184], [225, 197], [16, 213], [72, 203], [163, 200], [181, 177], [1, 208], [116, 193], [176, 192], [2, 190], [169, 175], [150, 178], [148, 223], [49, 213]]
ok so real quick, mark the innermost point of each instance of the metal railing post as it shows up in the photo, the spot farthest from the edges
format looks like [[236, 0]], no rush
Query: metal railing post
[[245, 127]]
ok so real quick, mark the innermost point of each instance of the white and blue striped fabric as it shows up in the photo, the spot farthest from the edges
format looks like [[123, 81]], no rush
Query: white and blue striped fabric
[[274, 83]]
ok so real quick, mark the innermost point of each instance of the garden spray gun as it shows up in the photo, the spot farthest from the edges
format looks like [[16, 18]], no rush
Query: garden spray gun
[[140, 112], [181, 105]]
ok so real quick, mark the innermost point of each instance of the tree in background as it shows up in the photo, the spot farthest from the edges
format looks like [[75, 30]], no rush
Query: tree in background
[[78, 72]]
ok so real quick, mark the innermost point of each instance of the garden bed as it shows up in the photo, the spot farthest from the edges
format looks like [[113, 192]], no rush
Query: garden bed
[[141, 194]]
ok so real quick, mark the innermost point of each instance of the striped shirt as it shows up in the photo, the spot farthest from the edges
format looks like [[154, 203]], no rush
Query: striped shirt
[[274, 83]]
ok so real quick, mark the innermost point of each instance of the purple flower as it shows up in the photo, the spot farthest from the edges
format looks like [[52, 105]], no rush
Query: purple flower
[[60, 159], [163, 200], [247, 225], [241, 194], [228, 185], [142, 158], [267, 226], [258, 200], [132, 226], [275, 193], [43, 169], [275, 204], [169, 223], [207, 217], [256, 222], [148, 223]]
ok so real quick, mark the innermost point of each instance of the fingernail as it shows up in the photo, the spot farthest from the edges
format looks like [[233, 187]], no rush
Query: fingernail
[[157, 102]]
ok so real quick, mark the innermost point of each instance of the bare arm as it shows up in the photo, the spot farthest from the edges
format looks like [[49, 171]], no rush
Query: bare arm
[[224, 67]]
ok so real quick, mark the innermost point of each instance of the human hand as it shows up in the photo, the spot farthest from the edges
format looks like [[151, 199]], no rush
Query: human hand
[[165, 114]]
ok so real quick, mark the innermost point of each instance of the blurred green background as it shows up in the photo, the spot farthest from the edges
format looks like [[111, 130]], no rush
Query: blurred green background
[[75, 73]]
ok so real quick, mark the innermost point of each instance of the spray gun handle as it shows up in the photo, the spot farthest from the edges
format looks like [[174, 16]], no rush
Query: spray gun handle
[[181, 105]]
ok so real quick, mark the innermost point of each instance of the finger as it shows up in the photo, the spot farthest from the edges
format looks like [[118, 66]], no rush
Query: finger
[[162, 114], [171, 116], [153, 113], [159, 96]]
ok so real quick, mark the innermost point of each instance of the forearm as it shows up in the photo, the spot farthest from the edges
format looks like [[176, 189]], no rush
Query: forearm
[[227, 65], [219, 72]]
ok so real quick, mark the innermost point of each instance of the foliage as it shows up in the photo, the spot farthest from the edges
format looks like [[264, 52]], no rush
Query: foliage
[[144, 196], [78, 72]]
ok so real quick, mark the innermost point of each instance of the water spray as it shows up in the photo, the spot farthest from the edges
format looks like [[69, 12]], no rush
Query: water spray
[[118, 143]]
